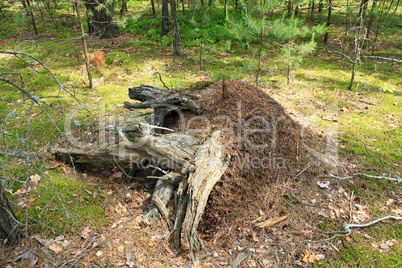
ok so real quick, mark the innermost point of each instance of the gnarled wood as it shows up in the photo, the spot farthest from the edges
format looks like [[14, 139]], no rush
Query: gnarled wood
[[210, 165], [171, 150], [161, 101]]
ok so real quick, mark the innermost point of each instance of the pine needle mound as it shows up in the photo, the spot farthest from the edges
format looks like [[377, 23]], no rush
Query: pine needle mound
[[269, 165]]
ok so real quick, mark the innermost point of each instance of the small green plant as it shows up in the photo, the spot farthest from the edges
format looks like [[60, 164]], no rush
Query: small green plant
[[387, 90], [129, 42], [19, 18]]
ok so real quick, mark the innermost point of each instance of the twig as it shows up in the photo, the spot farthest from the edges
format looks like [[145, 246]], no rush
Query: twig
[[382, 58], [355, 175], [160, 78], [347, 227], [350, 206], [61, 86], [375, 159], [366, 102]]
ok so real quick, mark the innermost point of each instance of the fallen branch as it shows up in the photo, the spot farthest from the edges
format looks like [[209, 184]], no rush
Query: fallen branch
[[382, 58], [355, 175], [347, 227]]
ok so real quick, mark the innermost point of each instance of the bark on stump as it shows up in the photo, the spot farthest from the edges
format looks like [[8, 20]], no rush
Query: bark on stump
[[10, 229]]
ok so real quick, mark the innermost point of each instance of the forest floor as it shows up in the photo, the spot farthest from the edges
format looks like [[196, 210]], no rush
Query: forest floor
[[105, 230]]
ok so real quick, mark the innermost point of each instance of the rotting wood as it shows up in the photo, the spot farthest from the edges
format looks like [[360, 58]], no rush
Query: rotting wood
[[210, 165], [161, 101], [161, 196], [171, 150], [180, 206]]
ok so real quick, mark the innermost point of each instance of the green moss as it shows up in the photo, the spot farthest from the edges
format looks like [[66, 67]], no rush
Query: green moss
[[64, 204]]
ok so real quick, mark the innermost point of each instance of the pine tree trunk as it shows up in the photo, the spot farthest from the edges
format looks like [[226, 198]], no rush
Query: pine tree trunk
[[123, 7], [84, 45], [153, 7], [328, 21], [30, 13], [312, 8], [289, 7], [372, 17], [182, 6], [100, 18], [165, 18], [175, 25], [320, 6], [10, 230]]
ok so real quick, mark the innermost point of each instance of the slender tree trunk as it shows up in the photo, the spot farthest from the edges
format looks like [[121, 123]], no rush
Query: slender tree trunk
[[84, 45], [175, 26], [260, 56], [210, 3], [153, 7], [41, 15], [396, 6], [100, 18], [312, 8], [10, 229], [379, 22], [202, 37], [363, 6], [30, 13], [320, 6], [123, 7], [357, 52], [165, 18], [289, 8], [372, 17], [328, 24], [182, 6]]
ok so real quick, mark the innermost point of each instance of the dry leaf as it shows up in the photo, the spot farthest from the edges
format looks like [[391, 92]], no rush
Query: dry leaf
[[367, 236], [34, 178], [53, 164], [20, 192], [85, 233], [44, 242], [390, 201], [120, 248], [397, 211], [323, 213], [310, 257], [348, 238], [55, 247]]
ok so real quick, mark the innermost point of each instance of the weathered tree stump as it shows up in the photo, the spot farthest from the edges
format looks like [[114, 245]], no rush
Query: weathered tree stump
[[194, 168]]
